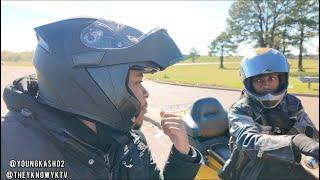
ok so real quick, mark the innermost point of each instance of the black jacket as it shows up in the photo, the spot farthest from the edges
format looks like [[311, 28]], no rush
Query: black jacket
[[36, 140], [261, 139]]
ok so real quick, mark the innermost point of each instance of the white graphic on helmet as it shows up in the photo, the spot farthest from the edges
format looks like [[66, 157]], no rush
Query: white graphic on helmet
[[93, 35], [119, 44], [132, 39]]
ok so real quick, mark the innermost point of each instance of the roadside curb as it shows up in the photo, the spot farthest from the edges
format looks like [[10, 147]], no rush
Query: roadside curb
[[220, 88]]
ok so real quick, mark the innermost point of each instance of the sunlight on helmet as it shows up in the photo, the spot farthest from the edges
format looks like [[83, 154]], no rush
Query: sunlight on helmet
[[262, 50]]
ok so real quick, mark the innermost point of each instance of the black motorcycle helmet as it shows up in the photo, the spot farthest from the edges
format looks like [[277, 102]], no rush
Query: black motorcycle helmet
[[82, 66]]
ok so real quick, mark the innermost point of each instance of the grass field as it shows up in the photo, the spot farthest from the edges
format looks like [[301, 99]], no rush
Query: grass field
[[212, 75], [19, 63]]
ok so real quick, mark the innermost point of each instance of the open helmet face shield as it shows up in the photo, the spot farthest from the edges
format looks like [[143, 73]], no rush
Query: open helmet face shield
[[264, 61], [82, 66]]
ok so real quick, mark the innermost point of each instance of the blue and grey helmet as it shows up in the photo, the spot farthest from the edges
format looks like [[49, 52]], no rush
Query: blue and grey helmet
[[82, 65], [263, 61]]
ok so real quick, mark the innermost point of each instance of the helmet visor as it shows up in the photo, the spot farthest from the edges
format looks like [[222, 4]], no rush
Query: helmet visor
[[269, 62], [121, 44], [106, 34]]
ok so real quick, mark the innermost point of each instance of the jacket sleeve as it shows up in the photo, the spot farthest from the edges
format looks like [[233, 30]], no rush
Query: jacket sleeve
[[305, 125], [178, 165], [182, 166], [255, 144]]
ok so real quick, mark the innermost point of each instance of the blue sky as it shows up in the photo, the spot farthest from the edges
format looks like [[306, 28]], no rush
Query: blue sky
[[190, 23]]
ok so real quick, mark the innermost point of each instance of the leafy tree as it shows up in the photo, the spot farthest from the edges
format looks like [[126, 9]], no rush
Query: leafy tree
[[256, 20], [283, 35], [16, 56], [304, 18], [222, 46], [194, 54], [278, 24]]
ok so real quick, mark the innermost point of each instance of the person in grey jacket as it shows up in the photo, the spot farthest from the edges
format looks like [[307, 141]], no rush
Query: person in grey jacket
[[268, 127], [79, 117]]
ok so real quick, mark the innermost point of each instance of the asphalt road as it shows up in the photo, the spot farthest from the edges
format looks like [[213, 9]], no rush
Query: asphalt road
[[163, 95]]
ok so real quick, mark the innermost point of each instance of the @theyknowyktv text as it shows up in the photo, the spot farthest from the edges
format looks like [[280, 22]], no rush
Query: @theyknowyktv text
[[40, 169]]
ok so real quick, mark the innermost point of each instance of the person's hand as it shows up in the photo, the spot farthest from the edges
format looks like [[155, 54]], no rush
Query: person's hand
[[173, 127], [306, 145], [310, 165]]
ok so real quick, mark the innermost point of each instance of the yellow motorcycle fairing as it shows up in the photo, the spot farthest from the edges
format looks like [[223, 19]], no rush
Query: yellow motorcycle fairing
[[209, 171]]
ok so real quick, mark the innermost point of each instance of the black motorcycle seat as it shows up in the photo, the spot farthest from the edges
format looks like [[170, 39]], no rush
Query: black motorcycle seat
[[207, 118]]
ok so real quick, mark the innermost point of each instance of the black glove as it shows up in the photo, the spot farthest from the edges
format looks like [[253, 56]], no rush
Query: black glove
[[305, 145]]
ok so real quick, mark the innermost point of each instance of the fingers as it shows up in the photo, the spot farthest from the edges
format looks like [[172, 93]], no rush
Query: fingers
[[166, 115], [174, 131], [172, 125], [169, 125], [162, 113], [172, 119]]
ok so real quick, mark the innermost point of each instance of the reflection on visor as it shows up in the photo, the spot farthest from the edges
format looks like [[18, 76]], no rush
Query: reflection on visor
[[103, 34], [150, 70], [147, 68]]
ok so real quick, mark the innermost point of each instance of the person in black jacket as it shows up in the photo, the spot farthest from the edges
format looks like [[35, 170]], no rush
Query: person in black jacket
[[79, 117], [269, 129]]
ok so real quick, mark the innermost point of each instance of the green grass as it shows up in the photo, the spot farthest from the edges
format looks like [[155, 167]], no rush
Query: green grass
[[213, 59], [19, 63], [212, 75]]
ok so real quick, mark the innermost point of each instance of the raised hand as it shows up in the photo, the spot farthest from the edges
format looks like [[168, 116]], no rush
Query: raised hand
[[173, 127]]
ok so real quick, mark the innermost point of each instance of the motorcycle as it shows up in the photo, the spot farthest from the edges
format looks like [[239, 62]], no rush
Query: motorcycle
[[207, 128]]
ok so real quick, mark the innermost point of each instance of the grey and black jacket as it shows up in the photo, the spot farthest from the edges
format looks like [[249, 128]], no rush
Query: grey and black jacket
[[261, 139], [36, 133]]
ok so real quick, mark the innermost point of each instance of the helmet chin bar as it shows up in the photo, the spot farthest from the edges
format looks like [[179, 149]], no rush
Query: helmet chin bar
[[270, 104], [113, 82], [269, 100]]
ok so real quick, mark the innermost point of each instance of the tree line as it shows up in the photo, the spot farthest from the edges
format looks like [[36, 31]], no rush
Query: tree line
[[278, 24], [15, 56]]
